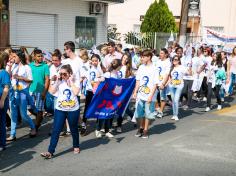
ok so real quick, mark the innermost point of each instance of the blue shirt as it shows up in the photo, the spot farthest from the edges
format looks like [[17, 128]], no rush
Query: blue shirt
[[4, 80]]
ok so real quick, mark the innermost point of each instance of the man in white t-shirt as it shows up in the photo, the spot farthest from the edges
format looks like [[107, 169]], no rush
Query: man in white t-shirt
[[74, 61], [112, 54]]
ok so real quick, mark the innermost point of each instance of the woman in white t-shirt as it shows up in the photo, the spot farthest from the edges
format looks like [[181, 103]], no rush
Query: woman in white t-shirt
[[176, 83], [231, 72], [21, 75], [67, 107]]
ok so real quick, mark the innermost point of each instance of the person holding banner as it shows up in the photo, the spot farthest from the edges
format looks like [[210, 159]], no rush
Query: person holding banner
[[67, 107], [145, 93], [92, 80]]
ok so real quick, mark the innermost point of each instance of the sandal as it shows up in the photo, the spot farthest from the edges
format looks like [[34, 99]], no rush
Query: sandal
[[76, 150], [47, 155]]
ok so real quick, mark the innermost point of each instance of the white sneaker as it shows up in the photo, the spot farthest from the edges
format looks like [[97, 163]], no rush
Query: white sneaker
[[204, 99], [219, 107], [160, 114], [173, 118], [118, 130], [109, 135], [102, 130], [98, 134], [176, 118], [207, 109]]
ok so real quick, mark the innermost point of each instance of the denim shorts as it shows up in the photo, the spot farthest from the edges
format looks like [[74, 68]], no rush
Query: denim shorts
[[163, 94], [39, 102], [145, 110]]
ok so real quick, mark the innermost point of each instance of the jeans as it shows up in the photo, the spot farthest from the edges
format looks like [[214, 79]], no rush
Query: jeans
[[20, 103], [3, 113], [216, 92], [187, 91], [232, 82], [103, 123], [175, 96], [58, 124], [88, 99]]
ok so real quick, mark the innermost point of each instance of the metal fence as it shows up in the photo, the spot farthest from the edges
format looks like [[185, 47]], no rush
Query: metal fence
[[156, 40]]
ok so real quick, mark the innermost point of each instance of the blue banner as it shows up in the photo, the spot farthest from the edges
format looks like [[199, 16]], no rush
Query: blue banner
[[111, 98]]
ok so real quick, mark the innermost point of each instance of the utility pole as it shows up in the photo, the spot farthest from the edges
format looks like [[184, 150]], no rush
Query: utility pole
[[183, 22]]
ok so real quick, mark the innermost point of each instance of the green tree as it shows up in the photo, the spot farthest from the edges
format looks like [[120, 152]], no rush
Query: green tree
[[158, 18]]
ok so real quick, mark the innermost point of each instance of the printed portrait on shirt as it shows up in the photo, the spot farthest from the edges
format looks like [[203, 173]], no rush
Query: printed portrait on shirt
[[67, 102], [175, 78], [159, 69], [144, 88], [92, 75], [119, 74]]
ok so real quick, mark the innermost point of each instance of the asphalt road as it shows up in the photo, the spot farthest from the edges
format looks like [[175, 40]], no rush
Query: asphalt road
[[200, 144]]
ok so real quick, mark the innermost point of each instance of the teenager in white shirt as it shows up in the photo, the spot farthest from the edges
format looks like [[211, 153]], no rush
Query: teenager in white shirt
[[163, 67], [92, 79], [145, 94]]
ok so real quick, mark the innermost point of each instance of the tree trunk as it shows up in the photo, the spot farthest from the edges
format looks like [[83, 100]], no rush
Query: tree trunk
[[183, 22]]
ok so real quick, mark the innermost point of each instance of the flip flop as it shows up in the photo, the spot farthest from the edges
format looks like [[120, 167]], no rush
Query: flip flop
[[46, 155]]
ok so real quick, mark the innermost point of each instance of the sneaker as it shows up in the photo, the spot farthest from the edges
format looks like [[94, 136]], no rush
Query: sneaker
[[160, 114], [204, 99], [145, 135], [176, 118], [222, 100], [207, 109], [109, 135], [219, 107], [102, 130], [118, 130], [83, 131], [173, 118], [98, 134], [185, 107], [139, 133]]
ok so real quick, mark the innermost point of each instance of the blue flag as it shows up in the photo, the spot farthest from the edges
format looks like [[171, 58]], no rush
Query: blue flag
[[111, 98]]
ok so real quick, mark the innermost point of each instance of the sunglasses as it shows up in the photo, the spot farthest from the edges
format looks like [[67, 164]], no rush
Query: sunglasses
[[63, 74], [175, 59]]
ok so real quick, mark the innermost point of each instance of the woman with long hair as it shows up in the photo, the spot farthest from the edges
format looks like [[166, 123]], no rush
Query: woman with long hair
[[176, 83], [19, 95], [67, 107]]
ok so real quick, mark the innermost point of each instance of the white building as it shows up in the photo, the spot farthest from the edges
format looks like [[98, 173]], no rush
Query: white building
[[47, 24], [216, 14]]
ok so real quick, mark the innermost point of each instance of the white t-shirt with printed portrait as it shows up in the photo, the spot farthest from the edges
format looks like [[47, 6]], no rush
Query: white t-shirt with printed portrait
[[92, 76], [187, 62], [66, 100], [23, 71], [147, 76], [177, 75], [163, 69]]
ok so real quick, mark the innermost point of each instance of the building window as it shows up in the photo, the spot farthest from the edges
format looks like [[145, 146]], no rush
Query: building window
[[136, 28], [216, 28], [85, 32]]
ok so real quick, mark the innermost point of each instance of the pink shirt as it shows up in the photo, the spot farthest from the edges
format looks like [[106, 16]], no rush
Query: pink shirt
[[110, 57], [232, 62]]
